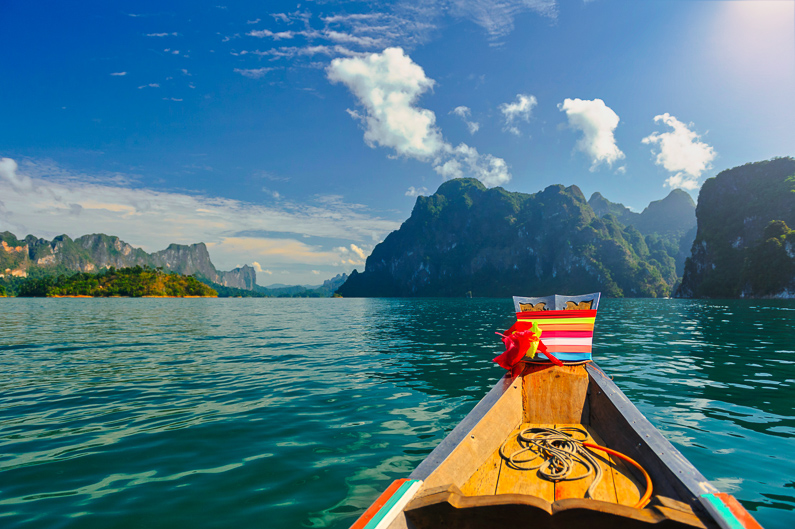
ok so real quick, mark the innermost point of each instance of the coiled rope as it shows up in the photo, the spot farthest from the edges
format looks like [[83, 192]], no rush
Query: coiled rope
[[560, 451]]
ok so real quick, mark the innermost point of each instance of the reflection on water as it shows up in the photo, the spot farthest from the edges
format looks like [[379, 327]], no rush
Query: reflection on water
[[154, 413]]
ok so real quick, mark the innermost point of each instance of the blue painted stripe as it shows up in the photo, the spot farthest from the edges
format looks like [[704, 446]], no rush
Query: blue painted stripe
[[375, 520], [570, 357], [723, 511]]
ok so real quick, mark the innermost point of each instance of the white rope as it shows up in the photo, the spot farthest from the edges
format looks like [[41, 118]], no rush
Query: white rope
[[559, 451]]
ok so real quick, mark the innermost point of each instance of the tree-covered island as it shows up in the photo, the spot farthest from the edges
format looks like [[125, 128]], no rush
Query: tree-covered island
[[136, 282]]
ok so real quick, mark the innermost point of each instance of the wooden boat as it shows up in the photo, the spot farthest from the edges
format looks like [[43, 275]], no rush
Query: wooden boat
[[469, 481]]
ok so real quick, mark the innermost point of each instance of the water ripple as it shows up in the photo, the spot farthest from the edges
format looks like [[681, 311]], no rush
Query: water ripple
[[155, 413]]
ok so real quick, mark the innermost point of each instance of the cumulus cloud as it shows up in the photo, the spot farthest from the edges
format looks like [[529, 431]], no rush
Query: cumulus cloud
[[150, 85], [174, 34], [388, 85], [351, 255], [256, 73], [119, 74], [464, 113], [416, 191], [597, 122], [8, 173], [681, 152], [358, 251], [258, 268], [517, 111], [466, 161]]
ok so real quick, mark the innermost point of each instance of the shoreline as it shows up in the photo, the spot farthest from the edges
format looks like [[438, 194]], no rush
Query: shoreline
[[128, 297]]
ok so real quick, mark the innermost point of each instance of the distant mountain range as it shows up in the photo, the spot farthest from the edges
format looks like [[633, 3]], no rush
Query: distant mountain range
[[466, 239], [35, 257], [672, 221]]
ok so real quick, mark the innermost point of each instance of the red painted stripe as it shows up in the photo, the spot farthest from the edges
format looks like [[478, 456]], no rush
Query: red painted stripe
[[568, 348], [738, 511], [377, 504], [566, 334], [551, 327], [521, 325], [542, 314]]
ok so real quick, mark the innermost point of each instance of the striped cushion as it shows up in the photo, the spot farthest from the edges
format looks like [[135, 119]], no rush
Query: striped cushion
[[567, 334]]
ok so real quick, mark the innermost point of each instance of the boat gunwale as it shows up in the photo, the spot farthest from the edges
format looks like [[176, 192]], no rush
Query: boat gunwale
[[680, 467], [444, 449]]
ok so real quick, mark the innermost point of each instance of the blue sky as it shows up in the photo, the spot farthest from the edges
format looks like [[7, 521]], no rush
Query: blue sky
[[296, 136]]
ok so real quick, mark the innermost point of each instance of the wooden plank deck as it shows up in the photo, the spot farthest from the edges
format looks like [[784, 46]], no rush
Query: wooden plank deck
[[496, 476]]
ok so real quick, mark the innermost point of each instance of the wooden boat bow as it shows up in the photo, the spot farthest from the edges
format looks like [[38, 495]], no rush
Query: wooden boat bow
[[466, 483]]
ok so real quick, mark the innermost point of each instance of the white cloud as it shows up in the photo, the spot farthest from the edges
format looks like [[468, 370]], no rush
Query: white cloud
[[518, 111], [8, 172], [496, 17], [271, 192], [172, 99], [416, 191], [351, 256], [150, 85], [353, 17], [465, 161], [388, 85], [119, 74], [256, 73], [346, 38], [681, 152], [358, 251], [289, 52], [268, 33], [597, 122], [464, 113], [256, 21], [79, 204], [258, 268], [174, 34]]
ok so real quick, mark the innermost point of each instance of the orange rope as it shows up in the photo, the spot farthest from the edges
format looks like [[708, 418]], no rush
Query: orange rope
[[646, 497]]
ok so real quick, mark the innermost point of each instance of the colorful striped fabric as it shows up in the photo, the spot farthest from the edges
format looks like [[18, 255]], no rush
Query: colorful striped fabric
[[567, 334]]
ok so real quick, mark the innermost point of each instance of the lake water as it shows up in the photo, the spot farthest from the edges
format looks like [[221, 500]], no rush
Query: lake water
[[275, 413]]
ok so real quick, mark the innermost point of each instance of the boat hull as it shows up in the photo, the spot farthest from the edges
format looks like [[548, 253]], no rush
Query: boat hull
[[466, 482]]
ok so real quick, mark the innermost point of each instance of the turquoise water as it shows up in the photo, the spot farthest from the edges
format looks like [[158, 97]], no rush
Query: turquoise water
[[298, 412]]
